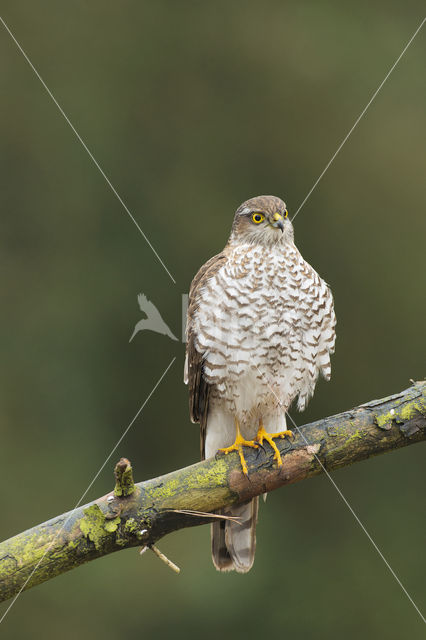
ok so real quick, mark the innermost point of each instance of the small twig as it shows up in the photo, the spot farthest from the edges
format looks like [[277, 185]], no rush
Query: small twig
[[205, 514], [162, 557]]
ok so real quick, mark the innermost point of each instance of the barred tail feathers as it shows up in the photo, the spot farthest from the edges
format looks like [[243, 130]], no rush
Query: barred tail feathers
[[234, 543]]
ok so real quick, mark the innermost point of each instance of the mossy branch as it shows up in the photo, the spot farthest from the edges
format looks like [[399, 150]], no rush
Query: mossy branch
[[139, 514]]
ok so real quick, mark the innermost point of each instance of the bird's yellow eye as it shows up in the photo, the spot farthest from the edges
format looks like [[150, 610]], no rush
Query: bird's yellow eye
[[286, 214], [258, 218]]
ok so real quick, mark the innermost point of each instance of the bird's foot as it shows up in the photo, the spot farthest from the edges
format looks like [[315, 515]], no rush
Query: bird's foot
[[264, 435], [238, 445]]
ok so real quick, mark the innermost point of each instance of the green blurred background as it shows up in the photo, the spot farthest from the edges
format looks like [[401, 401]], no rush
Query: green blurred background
[[190, 108]]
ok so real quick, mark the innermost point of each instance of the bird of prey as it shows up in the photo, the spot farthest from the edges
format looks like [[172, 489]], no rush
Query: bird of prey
[[260, 328], [153, 320]]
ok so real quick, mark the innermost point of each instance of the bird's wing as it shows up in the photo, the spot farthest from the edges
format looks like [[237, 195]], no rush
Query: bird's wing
[[318, 337], [194, 362], [147, 307]]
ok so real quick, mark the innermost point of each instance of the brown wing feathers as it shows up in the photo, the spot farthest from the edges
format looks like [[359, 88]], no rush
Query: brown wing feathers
[[198, 387]]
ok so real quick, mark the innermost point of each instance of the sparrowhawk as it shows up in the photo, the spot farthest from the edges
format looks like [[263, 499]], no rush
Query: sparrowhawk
[[260, 328]]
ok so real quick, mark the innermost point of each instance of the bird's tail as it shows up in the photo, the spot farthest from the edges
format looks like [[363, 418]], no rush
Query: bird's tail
[[234, 542]]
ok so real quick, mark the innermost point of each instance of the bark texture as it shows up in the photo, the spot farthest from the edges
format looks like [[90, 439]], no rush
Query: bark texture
[[138, 514]]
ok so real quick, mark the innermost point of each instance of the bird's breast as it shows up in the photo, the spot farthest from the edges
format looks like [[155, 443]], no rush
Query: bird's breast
[[248, 317]]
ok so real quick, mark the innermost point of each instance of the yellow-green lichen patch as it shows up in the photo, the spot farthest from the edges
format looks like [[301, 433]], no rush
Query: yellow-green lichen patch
[[111, 525], [213, 475], [96, 527], [131, 530], [342, 436], [358, 434], [26, 549], [410, 410], [93, 525], [72, 544], [185, 490], [402, 414], [131, 526], [384, 420]]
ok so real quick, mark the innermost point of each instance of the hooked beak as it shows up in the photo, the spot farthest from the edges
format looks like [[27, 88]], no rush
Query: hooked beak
[[277, 221]]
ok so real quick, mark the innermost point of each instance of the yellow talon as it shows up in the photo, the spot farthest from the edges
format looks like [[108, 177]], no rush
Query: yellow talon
[[264, 435], [238, 445], [284, 434]]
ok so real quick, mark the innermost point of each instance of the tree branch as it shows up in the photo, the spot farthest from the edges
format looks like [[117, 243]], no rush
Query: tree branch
[[139, 514]]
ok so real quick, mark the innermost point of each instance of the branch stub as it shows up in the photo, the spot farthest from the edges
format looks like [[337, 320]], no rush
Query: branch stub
[[124, 483]]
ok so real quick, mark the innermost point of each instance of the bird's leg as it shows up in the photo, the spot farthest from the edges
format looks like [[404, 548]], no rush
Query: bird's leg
[[238, 445], [264, 435]]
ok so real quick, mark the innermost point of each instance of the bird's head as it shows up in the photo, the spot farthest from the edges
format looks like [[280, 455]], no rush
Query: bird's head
[[261, 220]]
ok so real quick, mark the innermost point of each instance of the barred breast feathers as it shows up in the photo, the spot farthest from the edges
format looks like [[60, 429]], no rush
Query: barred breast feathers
[[249, 309]]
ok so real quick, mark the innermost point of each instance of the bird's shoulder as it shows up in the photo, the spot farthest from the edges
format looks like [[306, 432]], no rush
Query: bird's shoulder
[[207, 271]]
